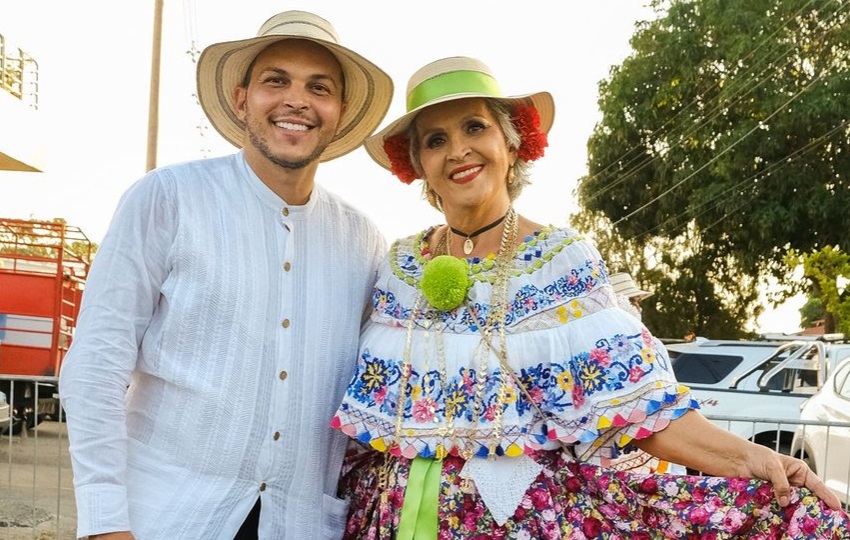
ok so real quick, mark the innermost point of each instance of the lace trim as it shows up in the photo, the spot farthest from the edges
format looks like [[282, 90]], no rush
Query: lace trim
[[618, 423]]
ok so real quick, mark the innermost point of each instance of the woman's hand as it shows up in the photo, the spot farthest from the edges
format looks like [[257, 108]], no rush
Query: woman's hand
[[693, 441], [785, 471]]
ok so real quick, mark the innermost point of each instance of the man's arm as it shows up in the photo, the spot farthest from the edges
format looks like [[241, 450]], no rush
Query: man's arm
[[121, 294]]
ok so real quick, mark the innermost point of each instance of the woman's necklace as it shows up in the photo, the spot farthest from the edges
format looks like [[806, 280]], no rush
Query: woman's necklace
[[494, 322], [468, 244]]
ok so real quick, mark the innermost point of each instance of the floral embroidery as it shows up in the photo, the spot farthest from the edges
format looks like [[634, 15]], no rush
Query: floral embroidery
[[529, 300], [566, 390], [608, 384]]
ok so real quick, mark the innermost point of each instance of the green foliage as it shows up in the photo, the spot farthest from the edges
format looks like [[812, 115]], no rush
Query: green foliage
[[812, 312], [691, 292], [828, 270], [725, 135]]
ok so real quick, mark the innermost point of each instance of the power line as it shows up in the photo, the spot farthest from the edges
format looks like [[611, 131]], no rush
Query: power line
[[697, 99], [728, 193]]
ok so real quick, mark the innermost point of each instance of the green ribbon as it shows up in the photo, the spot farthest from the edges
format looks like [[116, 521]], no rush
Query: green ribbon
[[453, 82], [418, 519]]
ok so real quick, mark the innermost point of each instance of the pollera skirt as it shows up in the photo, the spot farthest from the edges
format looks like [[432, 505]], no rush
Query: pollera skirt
[[571, 500]]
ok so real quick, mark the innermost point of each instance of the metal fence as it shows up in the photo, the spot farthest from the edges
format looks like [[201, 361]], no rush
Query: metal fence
[[37, 499], [824, 446], [36, 490], [18, 73]]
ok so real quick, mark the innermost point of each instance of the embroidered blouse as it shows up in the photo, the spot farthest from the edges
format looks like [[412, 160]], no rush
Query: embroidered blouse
[[580, 370]]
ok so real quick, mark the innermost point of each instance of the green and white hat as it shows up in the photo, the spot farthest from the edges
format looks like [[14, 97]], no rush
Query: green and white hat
[[448, 79]]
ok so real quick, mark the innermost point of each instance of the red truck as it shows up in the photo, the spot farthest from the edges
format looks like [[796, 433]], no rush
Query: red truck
[[43, 269]]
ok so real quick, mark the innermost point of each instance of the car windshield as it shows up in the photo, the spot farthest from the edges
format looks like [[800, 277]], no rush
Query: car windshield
[[703, 368]]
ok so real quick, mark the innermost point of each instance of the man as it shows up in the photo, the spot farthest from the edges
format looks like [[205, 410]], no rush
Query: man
[[629, 296], [220, 320]]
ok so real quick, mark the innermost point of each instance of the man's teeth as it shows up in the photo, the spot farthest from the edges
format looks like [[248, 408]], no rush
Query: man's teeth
[[464, 174], [294, 127]]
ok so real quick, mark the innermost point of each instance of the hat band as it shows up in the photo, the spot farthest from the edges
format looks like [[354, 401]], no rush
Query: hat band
[[454, 82]]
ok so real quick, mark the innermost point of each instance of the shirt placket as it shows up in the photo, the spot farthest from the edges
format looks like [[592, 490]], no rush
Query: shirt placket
[[273, 449]]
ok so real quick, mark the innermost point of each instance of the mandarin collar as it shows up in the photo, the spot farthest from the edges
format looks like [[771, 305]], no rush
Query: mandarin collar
[[272, 199]]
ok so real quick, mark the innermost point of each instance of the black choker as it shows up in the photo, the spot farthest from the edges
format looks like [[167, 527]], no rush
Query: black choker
[[468, 244]]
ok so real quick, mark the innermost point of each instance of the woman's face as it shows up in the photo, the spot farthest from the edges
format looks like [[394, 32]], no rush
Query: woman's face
[[463, 154]]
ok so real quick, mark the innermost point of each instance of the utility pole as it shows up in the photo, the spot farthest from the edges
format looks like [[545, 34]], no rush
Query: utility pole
[[153, 111]]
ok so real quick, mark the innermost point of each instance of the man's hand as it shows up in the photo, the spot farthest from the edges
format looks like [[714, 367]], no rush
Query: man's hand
[[122, 535]]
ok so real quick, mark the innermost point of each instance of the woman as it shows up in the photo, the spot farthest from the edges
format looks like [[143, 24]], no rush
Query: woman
[[497, 377]]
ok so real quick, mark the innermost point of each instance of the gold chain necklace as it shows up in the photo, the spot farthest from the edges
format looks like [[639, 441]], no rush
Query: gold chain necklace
[[495, 320]]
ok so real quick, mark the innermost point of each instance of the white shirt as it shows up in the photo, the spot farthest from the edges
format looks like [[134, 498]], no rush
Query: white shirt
[[234, 320], [640, 461], [626, 305]]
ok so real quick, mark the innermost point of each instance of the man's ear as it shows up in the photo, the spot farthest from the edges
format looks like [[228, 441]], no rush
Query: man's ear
[[240, 96]]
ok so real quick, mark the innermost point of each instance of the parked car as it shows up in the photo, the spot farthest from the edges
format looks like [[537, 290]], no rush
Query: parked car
[[5, 413], [825, 443], [31, 403], [762, 382]]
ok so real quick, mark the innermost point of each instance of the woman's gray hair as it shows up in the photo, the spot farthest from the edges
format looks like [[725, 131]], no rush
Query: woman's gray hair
[[521, 170]]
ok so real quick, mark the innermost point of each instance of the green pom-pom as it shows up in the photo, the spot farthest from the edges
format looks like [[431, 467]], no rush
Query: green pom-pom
[[445, 281]]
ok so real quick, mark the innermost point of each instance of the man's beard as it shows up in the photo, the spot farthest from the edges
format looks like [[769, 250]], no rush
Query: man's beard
[[264, 149]]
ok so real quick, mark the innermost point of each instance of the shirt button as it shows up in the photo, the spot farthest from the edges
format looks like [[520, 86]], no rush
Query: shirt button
[[276, 435], [285, 211], [285, 323], [283, 375], [287, 266], [262, 486]]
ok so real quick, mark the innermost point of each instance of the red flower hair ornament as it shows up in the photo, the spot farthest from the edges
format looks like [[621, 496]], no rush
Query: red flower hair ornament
[[524, 117], [527, 121], [397, 149]]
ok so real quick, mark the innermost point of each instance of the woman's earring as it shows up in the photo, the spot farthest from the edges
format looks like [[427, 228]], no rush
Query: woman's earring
[[511, 175]]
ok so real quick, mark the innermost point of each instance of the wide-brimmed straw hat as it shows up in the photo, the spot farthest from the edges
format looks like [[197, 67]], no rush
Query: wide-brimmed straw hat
[[222, 67], [624, 285], [447, 79]]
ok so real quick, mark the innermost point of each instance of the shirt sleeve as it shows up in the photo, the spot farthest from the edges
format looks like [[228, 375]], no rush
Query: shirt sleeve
[[120, 296], [624, 380], [378, 257]]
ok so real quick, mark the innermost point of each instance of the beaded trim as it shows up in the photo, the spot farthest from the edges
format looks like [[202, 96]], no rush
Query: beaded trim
[[410, 270]]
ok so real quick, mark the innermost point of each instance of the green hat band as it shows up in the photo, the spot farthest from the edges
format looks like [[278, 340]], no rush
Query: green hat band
[[454, 82]]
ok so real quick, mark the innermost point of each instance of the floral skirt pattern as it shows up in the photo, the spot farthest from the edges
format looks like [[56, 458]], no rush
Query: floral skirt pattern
[[569, 500]]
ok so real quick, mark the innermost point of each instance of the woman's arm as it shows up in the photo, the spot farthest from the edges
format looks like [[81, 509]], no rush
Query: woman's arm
[[693, 441]]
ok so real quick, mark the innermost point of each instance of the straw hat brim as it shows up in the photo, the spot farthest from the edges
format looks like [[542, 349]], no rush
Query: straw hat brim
[[222, 67], [542, 101], [624, 285]]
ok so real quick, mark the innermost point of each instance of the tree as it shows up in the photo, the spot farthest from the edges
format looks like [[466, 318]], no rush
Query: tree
[[812, 313], [686, 295], [827, 270], [728, 131]]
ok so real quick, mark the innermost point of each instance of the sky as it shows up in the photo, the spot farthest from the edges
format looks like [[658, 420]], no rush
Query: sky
[[94, 60]]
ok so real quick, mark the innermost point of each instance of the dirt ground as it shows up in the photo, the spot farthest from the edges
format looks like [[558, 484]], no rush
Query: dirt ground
[[36, 489]]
